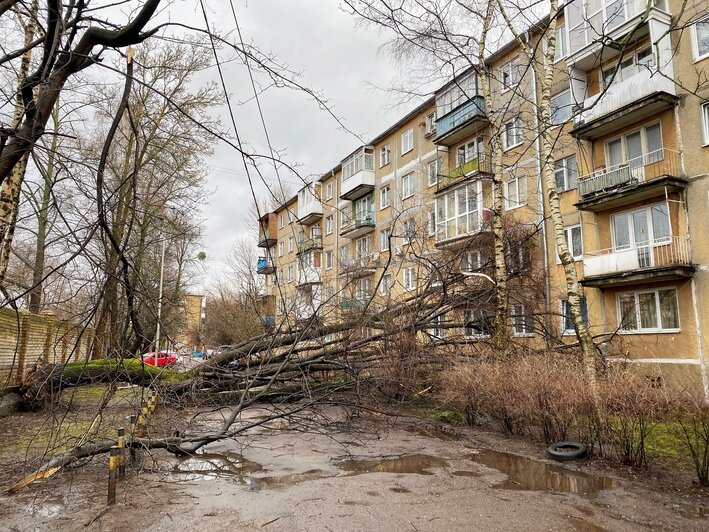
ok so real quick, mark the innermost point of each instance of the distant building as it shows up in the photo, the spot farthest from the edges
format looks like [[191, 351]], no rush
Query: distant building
[[193, 317]]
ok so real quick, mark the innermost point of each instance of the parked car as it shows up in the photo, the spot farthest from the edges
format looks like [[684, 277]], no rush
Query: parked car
[[164, 359]]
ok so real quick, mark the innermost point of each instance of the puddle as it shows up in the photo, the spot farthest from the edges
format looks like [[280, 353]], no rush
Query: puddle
[[417, 464], [531, 475], [211, 466], [50, 507], [693, 509], [285, 481]]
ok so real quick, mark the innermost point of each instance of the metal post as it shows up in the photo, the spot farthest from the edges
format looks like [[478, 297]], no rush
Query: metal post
[[162, 272], [112, 470], [122, 453]]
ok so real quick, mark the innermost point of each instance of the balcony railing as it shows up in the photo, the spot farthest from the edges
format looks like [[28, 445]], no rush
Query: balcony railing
[[314, 242], [473, 108], [363, 263], [674, 251], [658, 163], [361, 223], [353, 303], [265, 240], [468, 168], [308, 274]]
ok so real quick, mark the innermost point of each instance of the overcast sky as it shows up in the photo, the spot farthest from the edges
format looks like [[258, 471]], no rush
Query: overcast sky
[[335, 55]]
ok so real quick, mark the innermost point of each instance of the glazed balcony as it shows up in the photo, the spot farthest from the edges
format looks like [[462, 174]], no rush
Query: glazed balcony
[[357, 174], [265, 266], [361, 224], [308, 274], [480, 166], [309, 205], [359, 266], [461, 122], [624, 102], [631, 181], [668, 259]]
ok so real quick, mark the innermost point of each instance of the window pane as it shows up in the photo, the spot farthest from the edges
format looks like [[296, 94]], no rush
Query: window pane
[[576, 247], [654, 143], [621, 231], [572, 172], [702, 38], [615, 153], [668, 309], [648, 310], [559, 175], [660, 222], [628, 319]]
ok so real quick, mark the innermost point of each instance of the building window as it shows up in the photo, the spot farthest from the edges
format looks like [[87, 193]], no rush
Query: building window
[[430, 124], [478, 323], [410, 278], [363, 246], [433, 169], [384, 197], [407, 186], [470, 150], [385, 236], [344, 253], [345, 216], [522, 324], [432, 222], [386, 284], [280, 248], [561, 107], [362, 289], [290, 244], [510, 75], [329, 225], [282, 221], [290, 274], [574, 241], [701, 39], [567, 323], [439, 330], [362, 159], [515, 192], [512, 133], [641, 229], [384, 155], [636, 150], [328, 260], [329, 190], [471, 261], [705, 122], [409, 231], [648, 311], [562, 43], [566, 173], [458, 212], [407, 141], [642, 60]]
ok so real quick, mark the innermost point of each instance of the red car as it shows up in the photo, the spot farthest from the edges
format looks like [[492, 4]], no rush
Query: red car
[[165, 358]]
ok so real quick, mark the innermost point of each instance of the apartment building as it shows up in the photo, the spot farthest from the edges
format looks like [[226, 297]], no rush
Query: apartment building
[[631, 165]]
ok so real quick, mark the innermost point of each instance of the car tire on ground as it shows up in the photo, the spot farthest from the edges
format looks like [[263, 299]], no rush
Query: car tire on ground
[[567, 450]]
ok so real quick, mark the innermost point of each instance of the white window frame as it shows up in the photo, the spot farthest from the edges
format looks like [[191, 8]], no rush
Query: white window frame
[[410, 278], [384, 155], [282, 221], [521, 323], [291, 240], [564, 305], [329, 190], [407, 185], [450, 221], [407, 141], [290, 273], [564, 169], [705, 123], [280, 248], [695, 40], [431, 123], [386, 284], [658, 312], [466, 316], [510, 75], [433, 168], [437, 331], [329, 225], [432, 221], [384, 193], [384, 234], [516, 203], [562, 43], [409, 231], [555, 110], [511, 126], [328, 259], [568, 234]]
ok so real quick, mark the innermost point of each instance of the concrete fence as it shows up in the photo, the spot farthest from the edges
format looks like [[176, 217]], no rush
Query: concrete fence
[[26, 339]]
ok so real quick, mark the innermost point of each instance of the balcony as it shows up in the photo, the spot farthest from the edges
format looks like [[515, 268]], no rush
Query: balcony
[[308, 244], [308, 274], [309, 205], [625, 102], [472, 168], [665, 260], [461, 121], [352, 304], [361, 266], [361, 224], [267, 230], [357, 174], [265, 266], [633, 180]]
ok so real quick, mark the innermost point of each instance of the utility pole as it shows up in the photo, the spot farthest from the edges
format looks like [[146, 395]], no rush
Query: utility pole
[[162, 272]]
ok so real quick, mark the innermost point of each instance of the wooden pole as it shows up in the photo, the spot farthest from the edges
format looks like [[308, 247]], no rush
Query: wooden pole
[[122, 453], [112, 472]]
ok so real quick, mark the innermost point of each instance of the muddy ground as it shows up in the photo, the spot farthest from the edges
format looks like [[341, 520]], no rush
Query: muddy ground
[[372, 472]]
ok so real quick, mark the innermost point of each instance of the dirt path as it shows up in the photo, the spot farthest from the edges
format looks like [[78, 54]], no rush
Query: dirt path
[[368, 475]]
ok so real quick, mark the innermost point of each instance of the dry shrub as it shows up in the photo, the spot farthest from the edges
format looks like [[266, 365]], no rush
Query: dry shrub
[[402, 373], [691, 427]]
